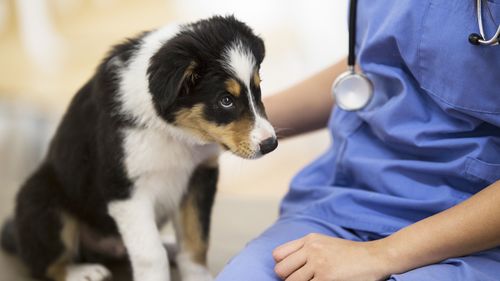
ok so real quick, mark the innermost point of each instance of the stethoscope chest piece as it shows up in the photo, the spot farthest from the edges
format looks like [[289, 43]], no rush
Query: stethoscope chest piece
[[352, 91]]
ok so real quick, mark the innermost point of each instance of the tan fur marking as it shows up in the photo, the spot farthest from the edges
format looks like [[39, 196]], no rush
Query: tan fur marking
[[192, 231], [69, 232], [69, 237], [57, 271], [234, 135], [256, 79], [233, 87]]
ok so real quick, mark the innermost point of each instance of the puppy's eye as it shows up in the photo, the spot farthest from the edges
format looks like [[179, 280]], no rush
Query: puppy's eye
[[226, 102]]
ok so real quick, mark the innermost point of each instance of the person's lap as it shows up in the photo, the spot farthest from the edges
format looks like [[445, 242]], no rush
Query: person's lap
[[255, 262]]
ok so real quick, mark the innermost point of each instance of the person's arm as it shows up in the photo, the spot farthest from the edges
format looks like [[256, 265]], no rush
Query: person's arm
[[469, 227], [472, 226], [306, 106]]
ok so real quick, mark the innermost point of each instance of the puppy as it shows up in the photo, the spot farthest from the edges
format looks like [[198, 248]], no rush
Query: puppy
[[139, 146]]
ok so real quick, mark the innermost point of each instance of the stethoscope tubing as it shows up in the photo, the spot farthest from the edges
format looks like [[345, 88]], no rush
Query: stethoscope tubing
[[351, 57], [493, 40]]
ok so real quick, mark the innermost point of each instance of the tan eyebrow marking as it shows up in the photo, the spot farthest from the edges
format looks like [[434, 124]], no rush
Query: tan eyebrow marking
[[233, 87], [256, 79]]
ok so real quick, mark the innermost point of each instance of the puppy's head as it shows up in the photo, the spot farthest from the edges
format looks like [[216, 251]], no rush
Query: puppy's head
[[206, 80]]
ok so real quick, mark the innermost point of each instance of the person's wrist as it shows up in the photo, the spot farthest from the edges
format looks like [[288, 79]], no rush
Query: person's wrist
[[387, 258]]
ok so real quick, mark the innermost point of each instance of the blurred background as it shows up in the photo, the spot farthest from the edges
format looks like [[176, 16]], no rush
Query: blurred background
[[50, 48]]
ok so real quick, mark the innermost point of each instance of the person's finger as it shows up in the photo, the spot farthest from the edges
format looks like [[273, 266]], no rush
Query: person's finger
[[286, 249], [305, 273], [290, 264]]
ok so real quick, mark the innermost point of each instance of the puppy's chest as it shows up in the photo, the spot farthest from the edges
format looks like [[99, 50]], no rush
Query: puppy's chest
[[161, 166]]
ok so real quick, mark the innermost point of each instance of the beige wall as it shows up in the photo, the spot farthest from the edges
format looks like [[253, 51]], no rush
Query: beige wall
[[83, 32]]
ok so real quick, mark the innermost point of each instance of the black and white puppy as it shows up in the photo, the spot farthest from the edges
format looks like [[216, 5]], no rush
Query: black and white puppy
[[139, 145]]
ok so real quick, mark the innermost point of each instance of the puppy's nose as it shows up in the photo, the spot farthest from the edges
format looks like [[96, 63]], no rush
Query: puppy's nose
[[268, 145]]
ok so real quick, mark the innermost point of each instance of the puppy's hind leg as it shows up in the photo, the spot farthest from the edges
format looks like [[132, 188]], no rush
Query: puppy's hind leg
[[192, 224], [46, 236], [64, 269]]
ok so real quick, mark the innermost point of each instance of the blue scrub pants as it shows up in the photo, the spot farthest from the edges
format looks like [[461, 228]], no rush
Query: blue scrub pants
[[255, 262]]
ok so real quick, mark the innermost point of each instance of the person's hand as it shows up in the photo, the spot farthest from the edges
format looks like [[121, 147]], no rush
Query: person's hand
[[321, 258]]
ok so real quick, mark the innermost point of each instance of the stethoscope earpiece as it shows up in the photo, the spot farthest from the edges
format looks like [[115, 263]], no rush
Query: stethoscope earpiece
[[474, 38]]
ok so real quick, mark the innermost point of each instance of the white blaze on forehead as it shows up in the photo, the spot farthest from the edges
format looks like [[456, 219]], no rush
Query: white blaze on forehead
[[240, 61]]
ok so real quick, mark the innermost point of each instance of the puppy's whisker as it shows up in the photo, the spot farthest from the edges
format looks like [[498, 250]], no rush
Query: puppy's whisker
[[283, 132]]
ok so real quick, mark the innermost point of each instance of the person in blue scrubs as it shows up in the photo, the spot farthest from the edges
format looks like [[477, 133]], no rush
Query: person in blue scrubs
[[409, 189]]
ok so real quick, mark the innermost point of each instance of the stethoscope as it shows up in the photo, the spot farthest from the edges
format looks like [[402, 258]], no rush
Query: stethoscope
[[352, 90], [480, 39]]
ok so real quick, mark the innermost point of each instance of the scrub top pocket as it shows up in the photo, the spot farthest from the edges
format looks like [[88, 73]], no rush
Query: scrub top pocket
[[478, 170], [451, 70]]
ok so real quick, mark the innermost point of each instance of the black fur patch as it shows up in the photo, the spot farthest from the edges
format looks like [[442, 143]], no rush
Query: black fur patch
[[203, 186]]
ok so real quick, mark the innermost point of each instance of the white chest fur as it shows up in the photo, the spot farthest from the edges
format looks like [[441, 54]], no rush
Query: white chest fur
[[160, 165]]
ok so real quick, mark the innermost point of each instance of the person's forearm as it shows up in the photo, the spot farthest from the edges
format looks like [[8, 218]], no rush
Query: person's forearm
[[306, 106], [469, 227]]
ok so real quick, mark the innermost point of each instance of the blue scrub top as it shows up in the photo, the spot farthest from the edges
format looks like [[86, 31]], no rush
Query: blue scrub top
[[430, 137]]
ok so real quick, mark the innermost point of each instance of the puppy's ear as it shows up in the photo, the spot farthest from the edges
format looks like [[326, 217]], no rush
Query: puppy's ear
[[171, 72], [260, 49]]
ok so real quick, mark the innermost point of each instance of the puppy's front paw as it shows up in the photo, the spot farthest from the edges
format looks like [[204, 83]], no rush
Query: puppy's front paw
[[191, 271], [87, 272]]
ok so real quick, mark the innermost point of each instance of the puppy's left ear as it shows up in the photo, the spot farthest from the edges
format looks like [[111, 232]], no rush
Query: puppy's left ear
[[171, 72]]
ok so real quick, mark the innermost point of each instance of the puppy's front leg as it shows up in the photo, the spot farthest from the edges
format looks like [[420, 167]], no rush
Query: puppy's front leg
[[192, 224], [135, 219]]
